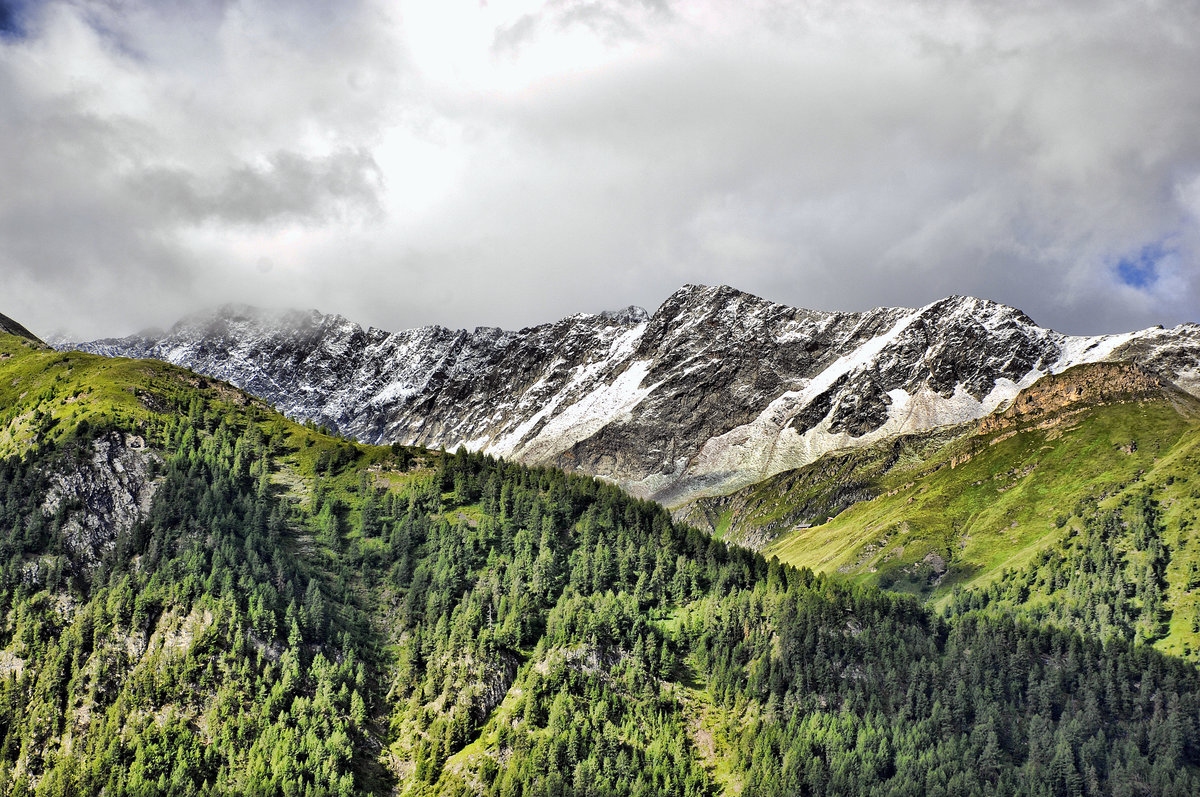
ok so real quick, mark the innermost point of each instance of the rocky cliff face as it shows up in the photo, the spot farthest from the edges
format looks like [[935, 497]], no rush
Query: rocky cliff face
[[104, 496], [1088, 386], [715, 390]]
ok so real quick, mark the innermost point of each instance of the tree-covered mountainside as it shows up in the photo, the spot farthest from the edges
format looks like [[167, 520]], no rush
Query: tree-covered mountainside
[[198, 596], [1098, 456]]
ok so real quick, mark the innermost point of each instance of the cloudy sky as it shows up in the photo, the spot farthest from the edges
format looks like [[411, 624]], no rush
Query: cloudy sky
[[509, 162]]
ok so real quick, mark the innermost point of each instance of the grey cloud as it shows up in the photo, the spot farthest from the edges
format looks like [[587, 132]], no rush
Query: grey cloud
[[824, 154], [508, 39], [613, 21], [289, 187], [1021, 166], [121, 152]]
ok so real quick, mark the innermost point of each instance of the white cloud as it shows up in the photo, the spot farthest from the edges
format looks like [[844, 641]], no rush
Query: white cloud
[[512, 162]]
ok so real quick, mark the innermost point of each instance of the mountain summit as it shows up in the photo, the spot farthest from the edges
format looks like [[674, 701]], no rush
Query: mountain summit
[[714, 390]]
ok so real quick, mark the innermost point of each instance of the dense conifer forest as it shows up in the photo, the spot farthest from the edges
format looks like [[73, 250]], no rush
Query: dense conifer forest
[[296, 614]]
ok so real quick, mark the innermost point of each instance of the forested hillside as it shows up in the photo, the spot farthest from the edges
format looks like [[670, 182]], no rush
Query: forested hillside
[[1083, 491], [201, 597]]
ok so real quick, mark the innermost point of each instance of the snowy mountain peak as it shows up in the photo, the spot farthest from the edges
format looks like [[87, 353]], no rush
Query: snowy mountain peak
[[626, 315], [715, 389], [710, 299], [982, 310]]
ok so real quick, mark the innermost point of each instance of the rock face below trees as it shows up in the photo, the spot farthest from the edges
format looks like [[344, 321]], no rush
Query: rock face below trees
[[715, 390], [104, 496]]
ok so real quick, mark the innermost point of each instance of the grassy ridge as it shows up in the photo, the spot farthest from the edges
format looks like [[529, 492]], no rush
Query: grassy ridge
[[980, 505], [45, 395]]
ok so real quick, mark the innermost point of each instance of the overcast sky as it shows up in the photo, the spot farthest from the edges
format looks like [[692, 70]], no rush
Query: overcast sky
[[508, 163]]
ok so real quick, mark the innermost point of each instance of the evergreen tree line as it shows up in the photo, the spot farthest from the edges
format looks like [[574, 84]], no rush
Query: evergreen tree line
[[294, 621], [200, 656], [1106, 579]]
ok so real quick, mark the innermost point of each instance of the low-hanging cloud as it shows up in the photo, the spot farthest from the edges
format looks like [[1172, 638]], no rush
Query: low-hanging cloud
[[511, 163]]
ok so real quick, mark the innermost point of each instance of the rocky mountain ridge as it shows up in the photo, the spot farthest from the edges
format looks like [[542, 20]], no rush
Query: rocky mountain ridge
[[806, 496], [715, 390]]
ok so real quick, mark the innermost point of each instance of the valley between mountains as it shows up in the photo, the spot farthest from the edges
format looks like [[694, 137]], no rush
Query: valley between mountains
[[725, 548]]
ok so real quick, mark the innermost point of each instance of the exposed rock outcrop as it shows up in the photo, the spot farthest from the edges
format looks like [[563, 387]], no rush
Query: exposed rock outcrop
[[1087, 386], [102, 497]]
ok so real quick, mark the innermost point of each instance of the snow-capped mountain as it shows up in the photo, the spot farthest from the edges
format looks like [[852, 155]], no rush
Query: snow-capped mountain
[[715, 390]]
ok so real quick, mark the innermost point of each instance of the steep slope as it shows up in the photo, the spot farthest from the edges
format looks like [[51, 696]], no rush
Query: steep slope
[[294, 613], [10, 327], [958, 509], [756, 515], [716, 390]]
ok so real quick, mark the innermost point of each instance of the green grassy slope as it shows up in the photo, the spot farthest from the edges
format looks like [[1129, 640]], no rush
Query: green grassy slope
[[296, 614], [962, 509], [998, 508], [45, 395], [810, 495]]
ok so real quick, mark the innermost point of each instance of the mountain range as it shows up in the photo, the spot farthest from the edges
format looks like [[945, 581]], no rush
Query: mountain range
[[714, 391], [200, 596]]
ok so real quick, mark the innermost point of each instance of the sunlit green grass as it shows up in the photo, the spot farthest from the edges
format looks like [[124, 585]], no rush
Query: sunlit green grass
[[1015, 495]]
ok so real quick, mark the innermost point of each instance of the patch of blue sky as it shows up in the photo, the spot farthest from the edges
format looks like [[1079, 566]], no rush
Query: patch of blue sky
[[1141, 270], [13, 15]]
